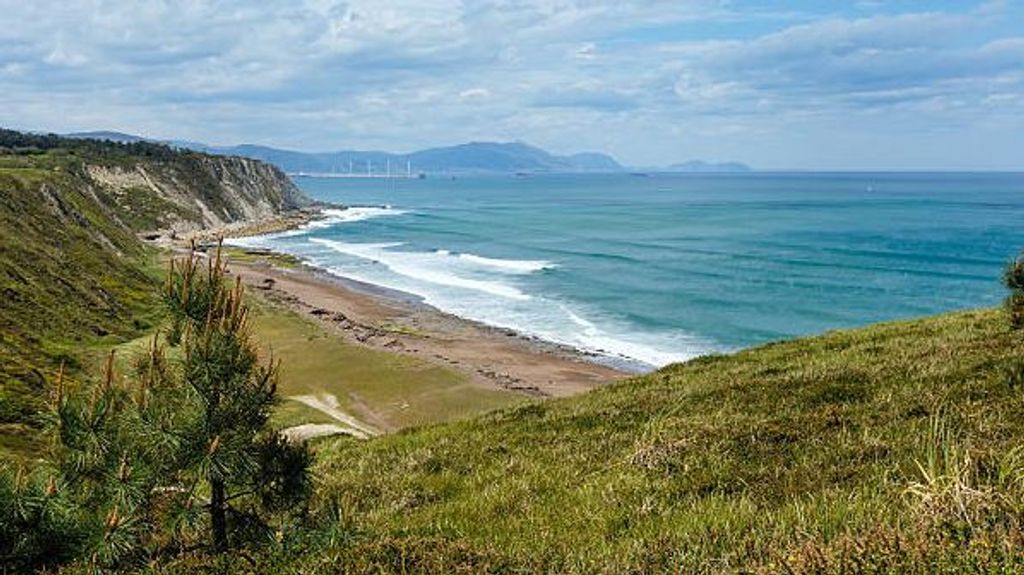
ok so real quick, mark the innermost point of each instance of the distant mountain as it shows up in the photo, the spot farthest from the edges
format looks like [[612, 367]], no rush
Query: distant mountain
[[700, 166], [120, 137], [489, 157], [474, 157], [508, 157], [287, 160], [595, 162], [469, 158]]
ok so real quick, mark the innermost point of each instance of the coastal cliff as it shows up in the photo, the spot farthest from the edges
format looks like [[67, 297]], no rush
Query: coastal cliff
[[75, 275], [195, 191]]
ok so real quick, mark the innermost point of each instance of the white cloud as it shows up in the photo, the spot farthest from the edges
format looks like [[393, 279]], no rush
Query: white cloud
[[60, 56], [647, 80], [586, 51], [837, 64], [474, 94]]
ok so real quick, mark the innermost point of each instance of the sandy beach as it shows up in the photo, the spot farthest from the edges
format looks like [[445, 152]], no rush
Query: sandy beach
[[396, 322]]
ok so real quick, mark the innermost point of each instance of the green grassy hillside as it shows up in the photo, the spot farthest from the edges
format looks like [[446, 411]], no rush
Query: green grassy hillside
[[74, 276], [895, 448]]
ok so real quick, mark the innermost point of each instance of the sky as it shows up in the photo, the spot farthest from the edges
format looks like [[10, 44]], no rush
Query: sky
[[897, 84]]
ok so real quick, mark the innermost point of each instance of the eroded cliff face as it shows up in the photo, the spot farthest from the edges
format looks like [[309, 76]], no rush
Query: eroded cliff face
[[194, 192]]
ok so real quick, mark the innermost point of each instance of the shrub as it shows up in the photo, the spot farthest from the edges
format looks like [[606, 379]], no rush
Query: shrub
[[1013, 279]]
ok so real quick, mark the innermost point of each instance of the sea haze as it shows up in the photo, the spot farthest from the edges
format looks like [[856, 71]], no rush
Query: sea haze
[[666, 267]]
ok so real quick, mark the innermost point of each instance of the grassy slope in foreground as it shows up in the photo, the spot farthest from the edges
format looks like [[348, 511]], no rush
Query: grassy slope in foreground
[[805, 452]]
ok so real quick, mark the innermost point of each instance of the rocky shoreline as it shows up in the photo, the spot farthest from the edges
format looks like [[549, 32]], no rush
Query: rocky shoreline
[[398, 323]]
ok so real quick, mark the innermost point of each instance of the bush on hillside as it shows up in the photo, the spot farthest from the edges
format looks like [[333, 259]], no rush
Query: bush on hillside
[[1013, 279]]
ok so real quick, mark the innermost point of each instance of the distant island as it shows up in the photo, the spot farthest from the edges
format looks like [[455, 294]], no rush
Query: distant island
[[468, 158], [699, 166]]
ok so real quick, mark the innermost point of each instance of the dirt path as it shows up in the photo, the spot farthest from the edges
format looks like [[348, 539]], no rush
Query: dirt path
[[306, 431], [328, 405]]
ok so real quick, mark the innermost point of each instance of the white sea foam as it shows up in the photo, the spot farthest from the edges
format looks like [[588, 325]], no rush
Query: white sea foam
[[513, 266], [334, 216], [632, 345], [331, 217], [499, 265], [651, 349], [467, 288], [420, 266], [586, 325]]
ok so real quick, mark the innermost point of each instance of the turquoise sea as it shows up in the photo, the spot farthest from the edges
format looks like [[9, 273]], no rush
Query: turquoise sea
[[665, 267]]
